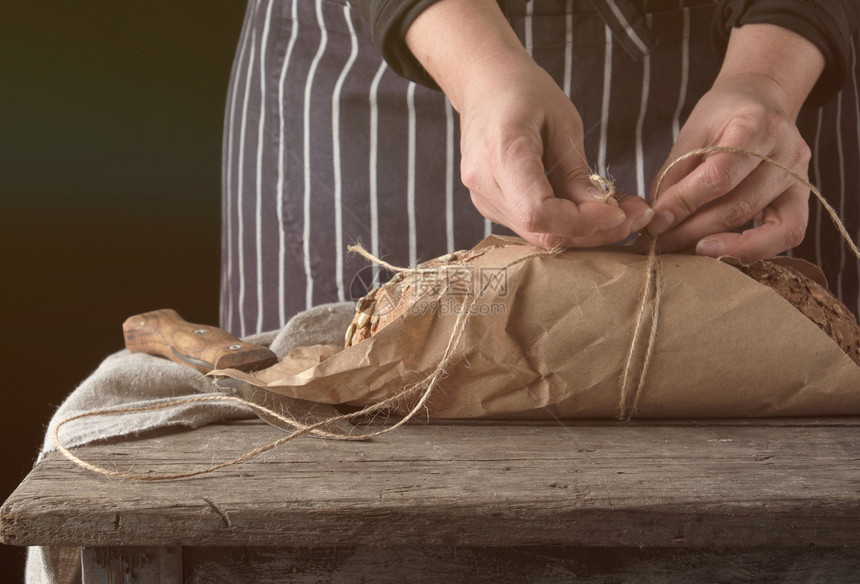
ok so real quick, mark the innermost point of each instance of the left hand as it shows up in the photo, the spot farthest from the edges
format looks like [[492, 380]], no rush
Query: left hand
[[766, 76], [705, 198]]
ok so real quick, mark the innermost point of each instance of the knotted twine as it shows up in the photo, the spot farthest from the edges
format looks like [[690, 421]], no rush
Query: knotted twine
[[652, 293], [422, 388], [633, 377], [427, 384]]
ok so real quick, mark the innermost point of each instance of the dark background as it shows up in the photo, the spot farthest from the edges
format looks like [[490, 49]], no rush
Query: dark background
[[110, 153]]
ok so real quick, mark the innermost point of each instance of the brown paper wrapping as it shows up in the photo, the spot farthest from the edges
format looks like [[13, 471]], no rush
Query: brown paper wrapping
[[549, 337]]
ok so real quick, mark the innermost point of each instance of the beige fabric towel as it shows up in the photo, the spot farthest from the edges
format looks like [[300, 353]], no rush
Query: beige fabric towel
[[127, 379]]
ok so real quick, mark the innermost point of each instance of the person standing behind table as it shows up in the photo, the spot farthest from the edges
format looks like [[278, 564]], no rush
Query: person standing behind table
[[335, 143]]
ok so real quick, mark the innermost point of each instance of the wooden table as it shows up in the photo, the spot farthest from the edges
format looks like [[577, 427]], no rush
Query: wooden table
[[731, 501]]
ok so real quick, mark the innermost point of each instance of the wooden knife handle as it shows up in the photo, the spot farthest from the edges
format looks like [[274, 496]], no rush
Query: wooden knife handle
[[165, 333]]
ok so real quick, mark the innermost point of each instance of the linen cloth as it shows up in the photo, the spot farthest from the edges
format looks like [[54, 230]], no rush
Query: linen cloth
[[128, 380]]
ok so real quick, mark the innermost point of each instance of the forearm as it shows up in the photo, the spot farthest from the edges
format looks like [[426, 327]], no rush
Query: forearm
[[518, 130], [791, 63], [461, 42]]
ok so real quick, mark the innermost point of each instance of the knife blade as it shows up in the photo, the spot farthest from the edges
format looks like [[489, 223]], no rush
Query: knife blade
[[204, 348]]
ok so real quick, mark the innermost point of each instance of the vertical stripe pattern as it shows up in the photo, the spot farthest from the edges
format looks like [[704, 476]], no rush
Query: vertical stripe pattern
[[325, 146], [640, 124], [240, 202], [259, 176], [282, 150], [604, 101], [855, 186], [410, 175], [685, 73], [227, 251], [450, 165], [373, 174], [833, 133], [306, 134], [336, 157]]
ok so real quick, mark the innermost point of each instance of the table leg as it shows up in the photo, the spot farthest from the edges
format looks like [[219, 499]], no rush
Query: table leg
[[142, 565]]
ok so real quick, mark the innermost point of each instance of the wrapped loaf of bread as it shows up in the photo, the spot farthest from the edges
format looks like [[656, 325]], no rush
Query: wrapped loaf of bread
[[549, 336]]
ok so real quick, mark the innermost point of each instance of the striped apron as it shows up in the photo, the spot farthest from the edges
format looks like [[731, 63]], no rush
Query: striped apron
[[325, 146]]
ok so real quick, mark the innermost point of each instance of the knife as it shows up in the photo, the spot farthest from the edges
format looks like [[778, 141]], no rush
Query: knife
[[204, 348]]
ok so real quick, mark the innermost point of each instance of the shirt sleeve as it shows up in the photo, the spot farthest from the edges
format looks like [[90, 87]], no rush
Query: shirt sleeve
[[829, 25], [389, 20]]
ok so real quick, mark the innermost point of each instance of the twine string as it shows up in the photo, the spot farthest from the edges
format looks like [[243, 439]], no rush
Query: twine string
[[834, 216], [654, 280], [425, 387], [604, 185], [651, 299], [633, 377]]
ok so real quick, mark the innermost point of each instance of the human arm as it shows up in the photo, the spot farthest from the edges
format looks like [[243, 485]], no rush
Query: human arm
[[828, 25], [521, 137], [766, 76]]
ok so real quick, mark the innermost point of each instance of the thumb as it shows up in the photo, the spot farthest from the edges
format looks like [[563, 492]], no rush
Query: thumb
[[571, 178], [533, 205]]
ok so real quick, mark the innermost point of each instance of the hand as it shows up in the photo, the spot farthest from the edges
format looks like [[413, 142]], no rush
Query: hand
[[524, 165], [704, 199], [521, 137]]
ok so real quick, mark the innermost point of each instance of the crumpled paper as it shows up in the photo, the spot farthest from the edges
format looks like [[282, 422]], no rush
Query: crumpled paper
[[548, 336]]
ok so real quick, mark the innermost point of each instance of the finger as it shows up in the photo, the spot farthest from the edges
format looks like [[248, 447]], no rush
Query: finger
[[549, 221], [718, 174], [676, 167], [783, 227], [532, 206], [571, 178], [638, 215], [567, 219], [731, 211], [638, 212]]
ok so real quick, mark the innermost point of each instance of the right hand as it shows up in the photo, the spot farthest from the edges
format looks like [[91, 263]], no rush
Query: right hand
[[523, 161], [521, 137]]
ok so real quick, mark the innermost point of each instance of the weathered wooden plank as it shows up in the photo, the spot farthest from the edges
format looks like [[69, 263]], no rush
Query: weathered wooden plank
[[536, 565], [495, 485], [141, 565], [639, 422]]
